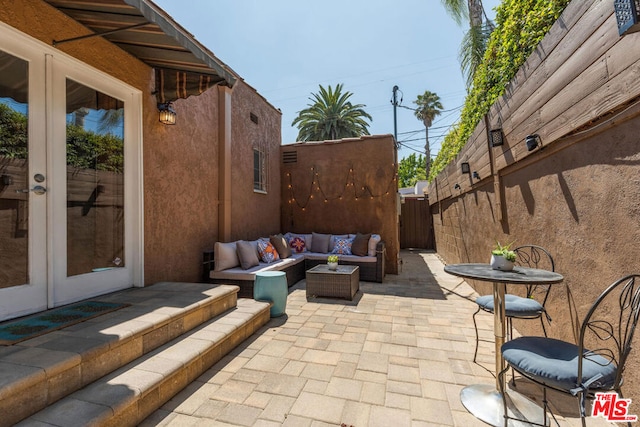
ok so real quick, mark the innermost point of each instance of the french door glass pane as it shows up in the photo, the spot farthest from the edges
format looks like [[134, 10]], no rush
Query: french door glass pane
[[95, 180], [14, 171]]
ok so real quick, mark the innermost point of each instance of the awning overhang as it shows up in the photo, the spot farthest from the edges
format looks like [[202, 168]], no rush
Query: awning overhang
[[142, 29]]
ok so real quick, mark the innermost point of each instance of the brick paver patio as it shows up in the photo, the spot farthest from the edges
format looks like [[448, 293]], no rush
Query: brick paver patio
[[398, 355]]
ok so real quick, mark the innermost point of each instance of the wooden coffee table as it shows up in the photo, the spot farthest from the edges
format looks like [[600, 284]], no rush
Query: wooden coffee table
[[341, 283]]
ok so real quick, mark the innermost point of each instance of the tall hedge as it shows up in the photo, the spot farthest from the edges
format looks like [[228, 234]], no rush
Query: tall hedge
[[520, 25]]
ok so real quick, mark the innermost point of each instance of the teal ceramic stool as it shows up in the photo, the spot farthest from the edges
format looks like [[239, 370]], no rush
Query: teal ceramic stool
[[272, 286]]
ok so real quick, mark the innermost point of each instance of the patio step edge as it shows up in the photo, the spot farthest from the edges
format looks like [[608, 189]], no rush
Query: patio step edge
[[40, 371], [128, 395]]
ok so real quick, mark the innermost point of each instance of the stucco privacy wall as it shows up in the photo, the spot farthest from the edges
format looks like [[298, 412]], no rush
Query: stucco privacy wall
[[180, 162], [578, 196], [343, 186]]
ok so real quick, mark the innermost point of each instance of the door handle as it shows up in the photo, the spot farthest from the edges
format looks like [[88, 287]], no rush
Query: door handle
[[38, 189]]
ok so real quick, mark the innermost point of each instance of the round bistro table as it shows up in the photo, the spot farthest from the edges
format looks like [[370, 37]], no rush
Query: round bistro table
[[484, 400]]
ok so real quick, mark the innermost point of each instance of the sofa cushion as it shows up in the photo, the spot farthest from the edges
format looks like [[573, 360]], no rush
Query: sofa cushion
[[237, 273], [247, 254], [342, 247], [280, 243], [225, 256], [267, 251], [355, 258], [360, 245], [373, 242], [320, 242]]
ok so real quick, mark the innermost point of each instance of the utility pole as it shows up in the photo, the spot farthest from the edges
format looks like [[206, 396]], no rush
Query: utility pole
[[395, 103]]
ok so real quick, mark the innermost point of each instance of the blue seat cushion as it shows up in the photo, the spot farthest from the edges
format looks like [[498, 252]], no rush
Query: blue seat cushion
[[555, 363], [514, 305]]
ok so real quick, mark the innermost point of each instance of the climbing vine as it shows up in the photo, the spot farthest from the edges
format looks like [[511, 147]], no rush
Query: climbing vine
[[520, 26]]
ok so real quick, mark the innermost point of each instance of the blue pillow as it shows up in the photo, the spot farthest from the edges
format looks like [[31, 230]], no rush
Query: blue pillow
[[342, 247]]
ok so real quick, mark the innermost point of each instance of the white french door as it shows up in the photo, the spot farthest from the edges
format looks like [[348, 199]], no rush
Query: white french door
[[70, 143]]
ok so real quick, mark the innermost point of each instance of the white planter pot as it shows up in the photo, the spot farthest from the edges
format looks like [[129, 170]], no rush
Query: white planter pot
[[501, 263], [332, 265]]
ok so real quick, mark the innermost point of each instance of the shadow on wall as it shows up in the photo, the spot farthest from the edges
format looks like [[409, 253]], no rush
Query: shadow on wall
[[613, 148]]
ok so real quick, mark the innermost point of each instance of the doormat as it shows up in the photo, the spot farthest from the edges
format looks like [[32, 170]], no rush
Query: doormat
[[14, 331]]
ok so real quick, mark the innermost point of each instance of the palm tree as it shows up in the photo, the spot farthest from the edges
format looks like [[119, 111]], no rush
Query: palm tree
[[429, 106], [475, 40], [331, 116]]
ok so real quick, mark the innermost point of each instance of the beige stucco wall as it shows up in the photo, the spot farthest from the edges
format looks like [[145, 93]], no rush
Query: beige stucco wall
[[370, 163], [180, 162]]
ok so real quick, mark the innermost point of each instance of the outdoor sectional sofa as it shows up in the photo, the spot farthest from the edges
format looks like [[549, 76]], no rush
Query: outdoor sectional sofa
[[223, 265]]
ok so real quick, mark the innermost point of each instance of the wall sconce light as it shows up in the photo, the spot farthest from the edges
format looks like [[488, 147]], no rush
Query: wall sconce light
[[167, 113], [7, 180], [465, 167], [457, 187], [476, 175], [532, 141], [627, 16], [496, 136]]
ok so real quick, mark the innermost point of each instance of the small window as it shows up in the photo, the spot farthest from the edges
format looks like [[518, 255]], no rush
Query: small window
[[259, 170]]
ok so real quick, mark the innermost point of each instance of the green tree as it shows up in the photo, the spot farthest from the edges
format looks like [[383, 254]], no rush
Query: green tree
[[411, 170], [13, 133], [331, 116], [475, 40], [429, 106]]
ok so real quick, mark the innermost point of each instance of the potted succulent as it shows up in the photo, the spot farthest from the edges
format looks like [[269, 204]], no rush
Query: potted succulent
[[332, 262], [502, 257]]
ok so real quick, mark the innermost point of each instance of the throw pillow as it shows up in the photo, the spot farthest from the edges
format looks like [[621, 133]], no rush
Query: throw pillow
[[360, 245], [280, 243], [298, 244], [342, 247], [247, 255], [373, 242], [267, 252], [334, 237], [320, 243], [225, 256]]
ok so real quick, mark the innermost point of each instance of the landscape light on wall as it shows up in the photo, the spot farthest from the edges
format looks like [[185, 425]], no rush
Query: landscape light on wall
[[457, 186], [465, 167], [496, 137], [476, 175], [167, 113], [627, 16], [533, 141]]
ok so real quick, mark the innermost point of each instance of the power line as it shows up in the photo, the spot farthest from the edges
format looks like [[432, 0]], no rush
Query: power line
[[422, 130], [442, 111]]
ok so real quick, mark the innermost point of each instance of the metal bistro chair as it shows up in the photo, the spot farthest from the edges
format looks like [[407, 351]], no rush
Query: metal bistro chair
[[596, 363], [531, 306]]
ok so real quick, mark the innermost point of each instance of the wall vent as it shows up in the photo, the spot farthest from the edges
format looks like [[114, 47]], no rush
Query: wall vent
[[253, 118], [289, 157]]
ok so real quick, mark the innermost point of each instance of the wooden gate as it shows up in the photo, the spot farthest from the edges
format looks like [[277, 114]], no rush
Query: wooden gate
[[416, 224]]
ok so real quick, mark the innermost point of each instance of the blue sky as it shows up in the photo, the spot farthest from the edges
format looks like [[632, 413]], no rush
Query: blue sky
[[286, 48]]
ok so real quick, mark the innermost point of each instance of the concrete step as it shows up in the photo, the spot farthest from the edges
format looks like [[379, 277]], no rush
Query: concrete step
[[38, 372], [130, 394]]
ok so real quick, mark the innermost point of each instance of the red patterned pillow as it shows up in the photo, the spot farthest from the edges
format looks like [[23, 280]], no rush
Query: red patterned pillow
[[267, 251], [298, 244]]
